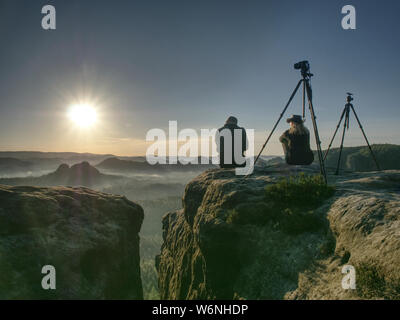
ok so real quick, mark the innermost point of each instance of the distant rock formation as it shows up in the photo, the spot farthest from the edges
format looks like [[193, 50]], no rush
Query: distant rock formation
[[62, 171], [91, 239], [80, 174], [205, 256]]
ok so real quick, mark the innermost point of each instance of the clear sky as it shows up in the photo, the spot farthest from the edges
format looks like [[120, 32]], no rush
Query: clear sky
[[142, 63]]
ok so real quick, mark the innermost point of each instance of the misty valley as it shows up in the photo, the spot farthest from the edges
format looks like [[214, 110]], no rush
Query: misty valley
[[157, 188]]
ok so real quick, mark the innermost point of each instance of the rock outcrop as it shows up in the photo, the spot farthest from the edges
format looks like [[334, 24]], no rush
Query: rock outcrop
[[80, 174], [205, 256], [91, 238]]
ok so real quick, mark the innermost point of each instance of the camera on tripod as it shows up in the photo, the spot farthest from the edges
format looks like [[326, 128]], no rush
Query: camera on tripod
[[304, 66]]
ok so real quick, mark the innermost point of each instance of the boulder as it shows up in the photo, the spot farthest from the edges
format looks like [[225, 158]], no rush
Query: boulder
[[90, 238]]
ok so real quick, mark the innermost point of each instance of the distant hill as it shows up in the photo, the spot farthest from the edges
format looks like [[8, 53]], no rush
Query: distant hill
[[44, 162], [359, 158], [118, 165], [36, 163], [28, 155], [13, 165], [81, 174]]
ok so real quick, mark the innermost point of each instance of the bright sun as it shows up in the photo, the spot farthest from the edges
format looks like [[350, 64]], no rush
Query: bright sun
[[83, 115]]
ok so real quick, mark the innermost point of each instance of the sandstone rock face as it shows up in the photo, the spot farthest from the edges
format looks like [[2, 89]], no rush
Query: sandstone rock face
[[91, 239], [206, 257]]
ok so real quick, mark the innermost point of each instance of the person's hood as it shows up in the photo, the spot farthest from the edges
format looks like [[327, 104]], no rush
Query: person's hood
[[231, 126]]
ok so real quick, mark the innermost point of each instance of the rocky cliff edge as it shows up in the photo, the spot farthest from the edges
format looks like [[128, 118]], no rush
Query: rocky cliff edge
[[206, 256]]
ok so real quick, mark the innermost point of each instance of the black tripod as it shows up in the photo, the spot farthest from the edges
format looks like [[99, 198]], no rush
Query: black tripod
[[306, 76], [346, 114]]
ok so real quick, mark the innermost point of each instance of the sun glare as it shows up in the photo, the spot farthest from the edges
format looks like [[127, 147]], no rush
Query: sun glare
[[83, 115]]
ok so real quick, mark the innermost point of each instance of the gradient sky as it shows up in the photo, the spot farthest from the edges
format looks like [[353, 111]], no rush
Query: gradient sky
[[146, 62]]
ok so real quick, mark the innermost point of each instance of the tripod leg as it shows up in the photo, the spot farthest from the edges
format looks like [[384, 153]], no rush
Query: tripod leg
[[304, 99], [337, 128], [317, 140], [341, 144], [365, 136], [279, 119]]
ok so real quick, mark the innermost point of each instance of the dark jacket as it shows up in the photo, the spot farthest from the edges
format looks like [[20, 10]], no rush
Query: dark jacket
[[222, 148], [297, 148]]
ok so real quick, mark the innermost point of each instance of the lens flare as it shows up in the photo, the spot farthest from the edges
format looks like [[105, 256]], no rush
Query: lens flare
[[83, 115]]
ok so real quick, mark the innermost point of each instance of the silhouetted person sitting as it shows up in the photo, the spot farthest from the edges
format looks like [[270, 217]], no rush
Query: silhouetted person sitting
[[296, 143], [231, 143]]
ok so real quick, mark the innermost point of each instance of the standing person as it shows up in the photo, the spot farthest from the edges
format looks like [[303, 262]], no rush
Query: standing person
[[231, 143], [296, 142]]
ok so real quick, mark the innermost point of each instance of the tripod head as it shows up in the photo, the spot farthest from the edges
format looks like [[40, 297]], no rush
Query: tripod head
[[304, 67], [349, 97]]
